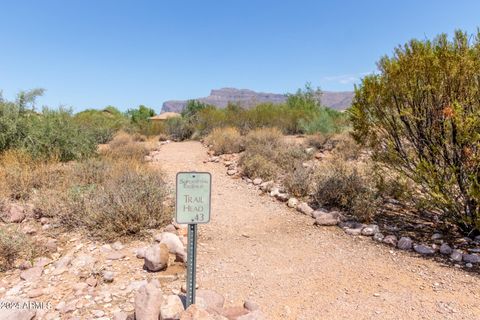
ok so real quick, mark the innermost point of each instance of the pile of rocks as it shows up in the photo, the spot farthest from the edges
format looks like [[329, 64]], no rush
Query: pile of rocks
[[151, 303]]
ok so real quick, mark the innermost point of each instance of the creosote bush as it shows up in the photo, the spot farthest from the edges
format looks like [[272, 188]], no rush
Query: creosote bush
[[225, 140], [298, 181], [126, 146], [421, 116]]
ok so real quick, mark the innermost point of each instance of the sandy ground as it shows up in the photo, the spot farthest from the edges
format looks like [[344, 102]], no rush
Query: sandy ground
[[257, 248]]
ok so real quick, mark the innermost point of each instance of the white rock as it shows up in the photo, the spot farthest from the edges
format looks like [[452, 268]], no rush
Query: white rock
[[172, 241], [156, 257], [171, 308], [292, 202], [148, 301]]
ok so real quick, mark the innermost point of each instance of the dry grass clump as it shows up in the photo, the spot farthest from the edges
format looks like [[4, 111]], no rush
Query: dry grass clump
[[13, 245], [345, 147], [21, 175], [257, 166], [347, 186], [124, 146], [268, 156], [225, 140], [110, 199]]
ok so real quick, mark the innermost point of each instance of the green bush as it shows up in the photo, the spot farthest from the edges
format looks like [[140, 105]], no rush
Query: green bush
[[421, 116], [101, 124], [325, 121], [179, 128], [54, 133]]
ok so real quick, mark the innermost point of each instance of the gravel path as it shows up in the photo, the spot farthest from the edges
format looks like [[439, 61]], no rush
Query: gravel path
[[257, 248]]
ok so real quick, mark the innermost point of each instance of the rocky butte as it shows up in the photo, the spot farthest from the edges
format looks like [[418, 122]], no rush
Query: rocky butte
[[249, 98]]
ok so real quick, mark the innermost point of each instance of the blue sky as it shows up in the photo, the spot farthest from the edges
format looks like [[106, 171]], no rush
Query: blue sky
[[89, 54]]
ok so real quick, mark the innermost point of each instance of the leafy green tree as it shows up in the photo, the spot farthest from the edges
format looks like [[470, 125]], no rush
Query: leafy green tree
[[192, 108], [140, 115], [421, 116]]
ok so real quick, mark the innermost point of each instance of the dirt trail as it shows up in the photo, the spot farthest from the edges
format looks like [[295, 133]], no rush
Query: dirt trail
[[258, 248]]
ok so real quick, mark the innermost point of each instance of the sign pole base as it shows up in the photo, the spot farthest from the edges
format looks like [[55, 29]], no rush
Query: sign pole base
[[191, 263]]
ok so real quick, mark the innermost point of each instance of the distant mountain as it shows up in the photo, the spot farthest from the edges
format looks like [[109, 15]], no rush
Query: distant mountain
[[249, 98]]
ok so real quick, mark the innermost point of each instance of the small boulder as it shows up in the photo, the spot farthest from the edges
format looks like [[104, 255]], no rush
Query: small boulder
[[405, 243], [456, 256], [471, 258], [445, 249], [257, 181], [148, 301], [325, 219], [156, 257], [231, 172], [390, 240], [292, 202], [370, 230], [304, 208], [378, 237], [274, 192], [195, 312], [171, 308], [140, 253], [234, 312], [32, 274], [13, 213], [423, 249], [353, 232], [172, 241], [108, 276], [437, 236], [170, 228], [117, 245]]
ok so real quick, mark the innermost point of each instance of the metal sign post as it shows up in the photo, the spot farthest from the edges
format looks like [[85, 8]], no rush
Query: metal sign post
[[191, 263], [193, 198]]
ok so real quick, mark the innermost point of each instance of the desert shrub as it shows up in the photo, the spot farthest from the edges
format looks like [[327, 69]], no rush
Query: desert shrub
[[290, 156], [13, 245], [110, 199], [421, 116], [257, 166], [267, 153], [298, 181], [343, 185], [101, 124], [124, 146], [258, 139], [179, 128], [54, 133], [326, 121], [225, 140]]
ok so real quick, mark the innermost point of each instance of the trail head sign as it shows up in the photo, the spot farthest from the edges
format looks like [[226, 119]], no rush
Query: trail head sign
[[193, 197]]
